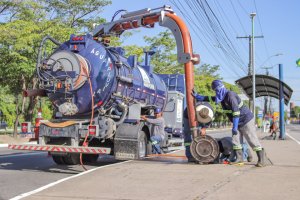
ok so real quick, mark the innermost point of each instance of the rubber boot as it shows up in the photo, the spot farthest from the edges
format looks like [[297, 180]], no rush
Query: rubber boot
[[261, 158], [250, 157], [191, 159], [239, 158]]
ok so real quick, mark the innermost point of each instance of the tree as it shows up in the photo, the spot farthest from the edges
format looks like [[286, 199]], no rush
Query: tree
[[208, 70], [7, 106], [25, 24], [76, 13], [164, 60]]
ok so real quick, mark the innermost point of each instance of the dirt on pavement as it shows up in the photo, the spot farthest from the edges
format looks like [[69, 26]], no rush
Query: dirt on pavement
[[8, 139]]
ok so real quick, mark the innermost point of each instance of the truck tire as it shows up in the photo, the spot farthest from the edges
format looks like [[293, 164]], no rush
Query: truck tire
[[142, 145], [58, 159], [90, 158], [71, 159]]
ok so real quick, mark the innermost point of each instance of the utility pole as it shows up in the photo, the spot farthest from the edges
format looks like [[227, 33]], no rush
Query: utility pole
[[281, 104], [251, 67]]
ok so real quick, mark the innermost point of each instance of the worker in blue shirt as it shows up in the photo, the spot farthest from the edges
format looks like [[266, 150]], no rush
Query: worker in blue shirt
[[242, 119], [158, 130]]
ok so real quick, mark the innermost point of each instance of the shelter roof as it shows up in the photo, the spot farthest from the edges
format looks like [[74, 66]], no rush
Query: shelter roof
[[264, 86]]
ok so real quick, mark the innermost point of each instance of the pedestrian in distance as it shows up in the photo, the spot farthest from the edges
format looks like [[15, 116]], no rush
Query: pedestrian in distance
[[274, 128], [158, 130], [242, 119]]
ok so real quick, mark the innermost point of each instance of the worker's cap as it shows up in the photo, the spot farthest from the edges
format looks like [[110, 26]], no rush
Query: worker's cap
[[216, 85], [157, 110], [204, 112]]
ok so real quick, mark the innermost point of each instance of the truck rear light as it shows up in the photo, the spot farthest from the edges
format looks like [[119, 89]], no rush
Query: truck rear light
[[26, 127], [93, 130]]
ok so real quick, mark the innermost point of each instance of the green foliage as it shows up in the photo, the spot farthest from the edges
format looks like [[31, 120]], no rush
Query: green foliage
[[164, 60], [77, 13], [23, 25], [47, 111], [295, 112], [208, 70], [7, 106]]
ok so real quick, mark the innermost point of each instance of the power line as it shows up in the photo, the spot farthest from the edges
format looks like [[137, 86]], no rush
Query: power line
[[220, 34], [238, 17], [201, 27], [245, 11], [226, 19], [265, 44], [207, 26]]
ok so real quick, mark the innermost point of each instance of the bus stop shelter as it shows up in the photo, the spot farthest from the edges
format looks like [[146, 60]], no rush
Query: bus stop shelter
[[265, 86], [268, 86]]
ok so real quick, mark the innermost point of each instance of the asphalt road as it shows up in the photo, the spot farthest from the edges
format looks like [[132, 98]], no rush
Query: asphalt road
[[293, 130], [21, 171], [24, 171]]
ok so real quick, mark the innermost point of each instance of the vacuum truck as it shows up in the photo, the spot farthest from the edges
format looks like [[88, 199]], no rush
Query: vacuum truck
[[98, 94]]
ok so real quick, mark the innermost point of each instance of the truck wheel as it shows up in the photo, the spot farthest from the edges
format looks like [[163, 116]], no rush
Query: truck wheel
[[71, 159], [90, 158], [142, 144], [58, 159]]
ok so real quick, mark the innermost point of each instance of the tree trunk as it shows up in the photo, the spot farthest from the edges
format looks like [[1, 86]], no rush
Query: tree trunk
[[17, 117], [18, 112], [32, 103]]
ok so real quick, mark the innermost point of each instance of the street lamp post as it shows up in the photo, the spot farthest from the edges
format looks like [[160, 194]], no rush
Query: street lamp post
[[278, 54], [252, 64], [267, 73]]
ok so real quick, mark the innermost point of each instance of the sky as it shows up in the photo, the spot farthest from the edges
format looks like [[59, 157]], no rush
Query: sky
[[277, 20]]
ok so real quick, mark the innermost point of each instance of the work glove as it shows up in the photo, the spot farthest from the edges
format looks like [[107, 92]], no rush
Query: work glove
[[198, 97], [234, 132], [235, 125]]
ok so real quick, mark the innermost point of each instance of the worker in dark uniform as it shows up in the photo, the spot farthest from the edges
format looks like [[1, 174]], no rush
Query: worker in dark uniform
[[242, 119], [228, 155], [204, 114], [158, 130]]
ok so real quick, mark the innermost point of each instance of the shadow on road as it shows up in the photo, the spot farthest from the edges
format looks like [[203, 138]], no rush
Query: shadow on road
[[44, 163]]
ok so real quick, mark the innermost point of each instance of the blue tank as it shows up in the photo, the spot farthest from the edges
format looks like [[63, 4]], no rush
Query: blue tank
[[82, 67]]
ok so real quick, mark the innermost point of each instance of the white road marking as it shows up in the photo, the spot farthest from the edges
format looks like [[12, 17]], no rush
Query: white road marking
[[62, 180], [293, 138], [22, 154], [68, 178]]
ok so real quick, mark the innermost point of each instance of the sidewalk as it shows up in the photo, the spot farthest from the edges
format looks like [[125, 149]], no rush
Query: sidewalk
[[175, 179], [8, 139]]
